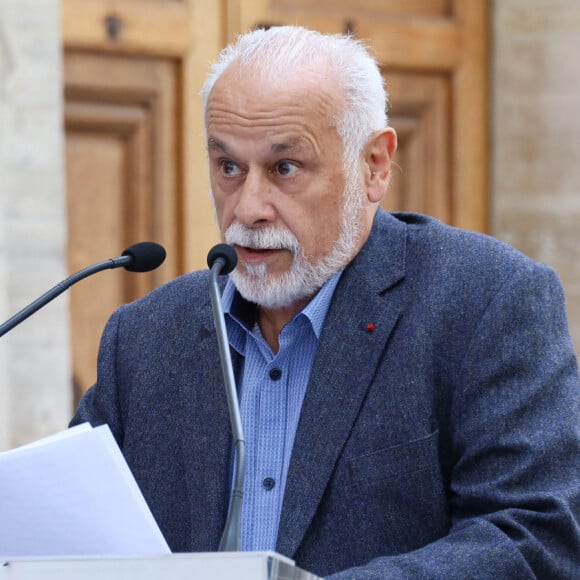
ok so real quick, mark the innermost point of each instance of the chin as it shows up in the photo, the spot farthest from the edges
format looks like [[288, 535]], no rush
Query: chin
[[278, 291]]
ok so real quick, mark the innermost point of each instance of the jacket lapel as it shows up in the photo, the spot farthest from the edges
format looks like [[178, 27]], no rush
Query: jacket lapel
[[359, 322], [207, 442]]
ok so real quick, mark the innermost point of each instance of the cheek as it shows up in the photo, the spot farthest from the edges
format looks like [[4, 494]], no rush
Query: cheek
[[222, 210], [332, 231], [321, 229], [332, 208], [320, 222]]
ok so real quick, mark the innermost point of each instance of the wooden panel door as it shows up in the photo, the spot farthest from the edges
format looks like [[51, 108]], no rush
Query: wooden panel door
[[122, 182], [434, 57], [134, 149]]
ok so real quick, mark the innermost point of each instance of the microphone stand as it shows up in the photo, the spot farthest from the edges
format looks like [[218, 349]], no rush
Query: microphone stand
[[55, 291], [230, 540], [141, 257]]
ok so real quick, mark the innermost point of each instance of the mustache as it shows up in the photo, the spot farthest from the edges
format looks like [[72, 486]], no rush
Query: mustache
[[262, 238]]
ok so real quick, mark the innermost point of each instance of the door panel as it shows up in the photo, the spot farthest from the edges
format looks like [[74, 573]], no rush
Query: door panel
[[152, 27], [94, 164], [420, 113], [122, 183], [369, 8]]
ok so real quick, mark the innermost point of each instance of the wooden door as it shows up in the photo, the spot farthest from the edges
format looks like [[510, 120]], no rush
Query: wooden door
[[135, 161], [434, 57], [122, 182]]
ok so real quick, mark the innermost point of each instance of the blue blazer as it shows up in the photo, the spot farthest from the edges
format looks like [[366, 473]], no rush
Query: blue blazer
[[441, 442]]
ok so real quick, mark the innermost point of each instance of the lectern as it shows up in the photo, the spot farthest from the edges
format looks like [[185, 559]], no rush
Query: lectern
[[202, 566]]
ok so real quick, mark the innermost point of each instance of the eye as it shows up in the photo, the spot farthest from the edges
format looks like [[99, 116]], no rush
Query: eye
[[285, 168], [229, 168]]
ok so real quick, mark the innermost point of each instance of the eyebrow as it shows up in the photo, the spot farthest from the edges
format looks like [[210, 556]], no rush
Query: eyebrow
[[216, 145], [291, 145]]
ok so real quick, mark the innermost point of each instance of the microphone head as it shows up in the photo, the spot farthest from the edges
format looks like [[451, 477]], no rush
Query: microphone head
[[145, 256], [227, 254]]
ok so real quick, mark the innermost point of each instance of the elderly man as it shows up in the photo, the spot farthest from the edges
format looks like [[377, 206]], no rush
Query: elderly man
[[409, 391]]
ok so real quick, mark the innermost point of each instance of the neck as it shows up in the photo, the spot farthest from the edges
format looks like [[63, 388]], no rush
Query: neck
[[272, 321]]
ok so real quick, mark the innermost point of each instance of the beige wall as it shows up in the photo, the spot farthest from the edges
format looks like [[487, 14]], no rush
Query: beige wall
[[35, 394], [536, 136], [535, 181]]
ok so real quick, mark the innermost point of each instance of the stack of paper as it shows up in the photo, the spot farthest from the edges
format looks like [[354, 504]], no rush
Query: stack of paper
[[74, 494]]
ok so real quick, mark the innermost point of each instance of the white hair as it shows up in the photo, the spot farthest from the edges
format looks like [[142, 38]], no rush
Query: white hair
[[286, 50]]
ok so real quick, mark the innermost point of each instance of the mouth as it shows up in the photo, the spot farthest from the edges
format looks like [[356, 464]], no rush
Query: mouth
[[255, 255]]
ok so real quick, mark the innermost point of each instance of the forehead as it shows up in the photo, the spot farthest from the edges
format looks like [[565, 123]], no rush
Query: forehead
[[244, 98]]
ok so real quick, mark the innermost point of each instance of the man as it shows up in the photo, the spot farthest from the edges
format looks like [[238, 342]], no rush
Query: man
[[409, 391]]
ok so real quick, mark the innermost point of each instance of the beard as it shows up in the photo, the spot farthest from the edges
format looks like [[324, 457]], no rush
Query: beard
[[304, 278]]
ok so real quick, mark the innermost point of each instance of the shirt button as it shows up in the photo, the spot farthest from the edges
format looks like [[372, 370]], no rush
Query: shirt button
[[268, 483], [275, 374]]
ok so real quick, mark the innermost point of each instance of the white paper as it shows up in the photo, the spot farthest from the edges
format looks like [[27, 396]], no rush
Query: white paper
[[73, 494]]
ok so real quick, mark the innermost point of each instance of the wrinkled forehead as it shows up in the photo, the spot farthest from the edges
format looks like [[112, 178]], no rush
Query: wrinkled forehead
[[249, 85]]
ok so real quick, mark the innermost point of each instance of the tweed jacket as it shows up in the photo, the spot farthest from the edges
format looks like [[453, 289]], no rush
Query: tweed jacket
[[439, 434]]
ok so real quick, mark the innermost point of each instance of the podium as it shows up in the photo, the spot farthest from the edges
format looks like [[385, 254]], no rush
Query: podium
[[202, 566]]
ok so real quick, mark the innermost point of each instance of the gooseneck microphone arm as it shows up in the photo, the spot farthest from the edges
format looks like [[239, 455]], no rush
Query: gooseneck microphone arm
[[141, 257], [222, 259]]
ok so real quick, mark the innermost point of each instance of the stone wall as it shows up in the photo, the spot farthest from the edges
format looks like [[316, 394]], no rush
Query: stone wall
[[35, 390], [536, 136]]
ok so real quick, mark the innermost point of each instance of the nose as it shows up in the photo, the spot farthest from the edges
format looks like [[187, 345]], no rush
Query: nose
[[254, 203]]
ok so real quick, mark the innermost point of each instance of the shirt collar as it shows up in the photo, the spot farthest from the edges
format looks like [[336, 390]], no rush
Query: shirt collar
[[243, 313], [317, 308]]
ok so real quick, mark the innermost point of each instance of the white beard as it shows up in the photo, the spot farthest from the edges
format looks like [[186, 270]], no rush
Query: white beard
[[304, 278]]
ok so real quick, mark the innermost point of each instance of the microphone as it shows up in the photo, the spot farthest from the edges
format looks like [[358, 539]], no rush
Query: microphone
[[226, 254], [222, 259], [145, 256], [141, 257]]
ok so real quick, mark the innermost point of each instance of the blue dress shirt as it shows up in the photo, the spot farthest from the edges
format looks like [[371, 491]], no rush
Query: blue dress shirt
[[271, 387]]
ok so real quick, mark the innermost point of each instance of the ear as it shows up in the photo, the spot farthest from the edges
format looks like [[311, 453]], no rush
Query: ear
[[378, 155]]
